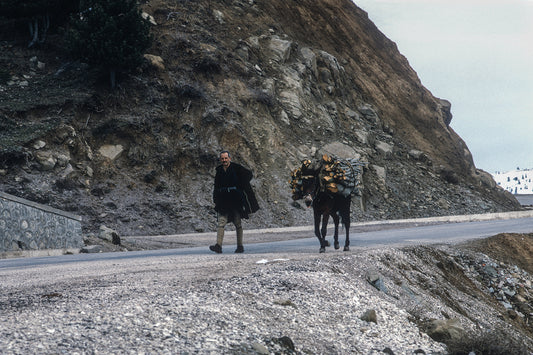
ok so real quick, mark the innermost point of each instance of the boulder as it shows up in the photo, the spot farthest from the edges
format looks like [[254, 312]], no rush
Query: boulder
[[369, 114], [339, 150], [281, 49], [485, 178], [384, 148], [309, 59], [380, 172], [445, 330], [46, 160], [417, 155], [446, 111], [111, 151], [39, 144], [219, 16], [155, 61], [370, 316], [149, 17], [91, 249], [109, 235]]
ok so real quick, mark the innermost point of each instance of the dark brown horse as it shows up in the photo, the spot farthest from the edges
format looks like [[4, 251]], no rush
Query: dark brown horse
[[326, 204]]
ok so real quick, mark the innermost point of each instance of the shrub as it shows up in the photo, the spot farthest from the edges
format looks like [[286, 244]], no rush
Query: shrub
[[109, 34], [189, 91], [208, 65]]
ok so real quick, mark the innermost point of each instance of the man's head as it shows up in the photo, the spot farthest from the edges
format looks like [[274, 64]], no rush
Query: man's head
[[225, 158]]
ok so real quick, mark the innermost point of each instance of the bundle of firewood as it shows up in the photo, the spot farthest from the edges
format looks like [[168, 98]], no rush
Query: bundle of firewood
[[299, 176], [340, 176], [336, 176]]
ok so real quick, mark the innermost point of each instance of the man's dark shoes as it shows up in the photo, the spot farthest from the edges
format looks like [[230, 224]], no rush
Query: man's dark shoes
[[240, 249], [216, 248]]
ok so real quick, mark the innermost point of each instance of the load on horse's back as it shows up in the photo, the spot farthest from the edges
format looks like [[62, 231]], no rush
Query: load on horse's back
[[333, 175], [327, 185]]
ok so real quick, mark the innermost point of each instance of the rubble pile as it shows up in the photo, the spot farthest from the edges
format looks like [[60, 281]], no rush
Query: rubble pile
[[511, 286]]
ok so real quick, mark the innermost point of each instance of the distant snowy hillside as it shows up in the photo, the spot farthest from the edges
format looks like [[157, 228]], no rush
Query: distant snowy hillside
[[517, 181]]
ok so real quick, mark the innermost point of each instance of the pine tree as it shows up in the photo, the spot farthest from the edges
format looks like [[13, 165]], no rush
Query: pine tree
[[110, 34]]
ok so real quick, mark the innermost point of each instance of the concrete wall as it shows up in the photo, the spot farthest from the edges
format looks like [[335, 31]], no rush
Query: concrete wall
[[26, 225]]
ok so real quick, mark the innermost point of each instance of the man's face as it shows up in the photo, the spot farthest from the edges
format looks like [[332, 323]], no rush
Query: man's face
[[225, 159]]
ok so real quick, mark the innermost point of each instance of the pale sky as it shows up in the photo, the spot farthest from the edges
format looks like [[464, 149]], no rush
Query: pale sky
[[478, 54]]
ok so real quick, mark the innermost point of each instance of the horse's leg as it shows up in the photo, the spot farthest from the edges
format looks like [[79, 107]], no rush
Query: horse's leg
[[317, 217], [346, 222], [324, 230], [347, 242], [335, 217]]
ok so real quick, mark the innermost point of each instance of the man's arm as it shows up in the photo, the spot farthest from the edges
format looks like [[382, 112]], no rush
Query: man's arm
[[245, 175], [216, 186]]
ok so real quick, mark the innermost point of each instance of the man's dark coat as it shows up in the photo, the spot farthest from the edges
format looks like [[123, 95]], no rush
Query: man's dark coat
[[233, 191]]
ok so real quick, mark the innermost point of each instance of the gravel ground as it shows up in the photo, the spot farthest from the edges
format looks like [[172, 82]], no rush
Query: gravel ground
[[209, 304], [239, 304]]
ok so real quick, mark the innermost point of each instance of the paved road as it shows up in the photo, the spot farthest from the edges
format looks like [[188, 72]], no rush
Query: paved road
[[295, 243], [525, 200], [441, 233]]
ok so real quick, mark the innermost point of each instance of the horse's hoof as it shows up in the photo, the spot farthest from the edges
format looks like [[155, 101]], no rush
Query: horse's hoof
[[337, 245], [327, 243], [322, 250], [346, 248]]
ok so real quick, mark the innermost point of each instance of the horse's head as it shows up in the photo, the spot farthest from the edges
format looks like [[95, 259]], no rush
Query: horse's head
[[309, 189], [304, 181]]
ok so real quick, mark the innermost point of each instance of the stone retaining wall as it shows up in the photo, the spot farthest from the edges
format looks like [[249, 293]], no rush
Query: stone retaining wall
[[26, 225]]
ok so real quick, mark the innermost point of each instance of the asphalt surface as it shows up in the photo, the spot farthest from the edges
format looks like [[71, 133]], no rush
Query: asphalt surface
[[300, 240]]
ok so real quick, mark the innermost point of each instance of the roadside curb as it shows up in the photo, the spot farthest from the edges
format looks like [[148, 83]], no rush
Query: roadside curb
[[463, 218], [37, 253]]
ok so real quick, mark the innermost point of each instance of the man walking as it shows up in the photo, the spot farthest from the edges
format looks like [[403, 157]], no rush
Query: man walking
[[234, 199]]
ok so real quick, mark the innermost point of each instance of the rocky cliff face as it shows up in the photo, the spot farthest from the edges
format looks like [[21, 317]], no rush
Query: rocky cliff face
[[273, 81]]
